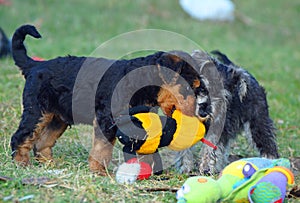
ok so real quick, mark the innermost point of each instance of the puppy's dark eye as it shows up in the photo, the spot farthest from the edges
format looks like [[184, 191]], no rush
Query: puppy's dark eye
[[202, 91]]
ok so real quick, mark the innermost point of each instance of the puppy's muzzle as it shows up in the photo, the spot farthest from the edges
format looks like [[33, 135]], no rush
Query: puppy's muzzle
[[203, 108]]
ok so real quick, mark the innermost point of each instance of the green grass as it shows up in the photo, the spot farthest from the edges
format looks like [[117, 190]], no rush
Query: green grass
[[268, 47]]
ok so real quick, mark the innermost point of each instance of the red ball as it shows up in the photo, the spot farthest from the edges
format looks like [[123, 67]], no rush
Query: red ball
[[145, 171]]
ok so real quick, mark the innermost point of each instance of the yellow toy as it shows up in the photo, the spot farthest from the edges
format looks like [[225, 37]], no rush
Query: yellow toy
[[143, 132]]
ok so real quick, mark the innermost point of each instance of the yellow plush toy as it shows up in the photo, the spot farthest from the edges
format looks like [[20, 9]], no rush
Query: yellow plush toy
[[143, 132]]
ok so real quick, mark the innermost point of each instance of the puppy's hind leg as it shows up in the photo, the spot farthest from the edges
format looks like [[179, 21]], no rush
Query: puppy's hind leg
[[23, 139], [263, 135], [27, 133], [51, 128]]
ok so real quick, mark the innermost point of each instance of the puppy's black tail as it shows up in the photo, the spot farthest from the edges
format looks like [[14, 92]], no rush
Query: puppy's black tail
[[18, 49]]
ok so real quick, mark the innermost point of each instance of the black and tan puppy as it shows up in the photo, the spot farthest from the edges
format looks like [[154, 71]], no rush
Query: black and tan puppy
[[68, 90]]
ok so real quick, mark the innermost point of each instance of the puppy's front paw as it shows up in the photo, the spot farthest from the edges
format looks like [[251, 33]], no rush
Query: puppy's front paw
[[96, 167], [207, 164]]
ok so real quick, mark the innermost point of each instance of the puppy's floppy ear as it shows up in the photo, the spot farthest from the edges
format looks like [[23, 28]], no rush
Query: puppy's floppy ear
[[174, 63], [173, 58], [169, 59]]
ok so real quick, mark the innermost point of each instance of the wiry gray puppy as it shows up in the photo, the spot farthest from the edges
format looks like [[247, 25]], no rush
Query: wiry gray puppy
[[238, 103]]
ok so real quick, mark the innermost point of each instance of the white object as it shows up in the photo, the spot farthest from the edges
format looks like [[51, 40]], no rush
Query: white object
[[222, 10], [128, 173], [56, 171]]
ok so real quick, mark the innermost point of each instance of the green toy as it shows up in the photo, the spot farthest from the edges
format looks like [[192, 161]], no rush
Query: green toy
[[254, 180]]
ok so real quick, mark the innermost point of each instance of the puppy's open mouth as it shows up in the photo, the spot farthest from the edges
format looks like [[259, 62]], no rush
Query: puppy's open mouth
[[203, 109]]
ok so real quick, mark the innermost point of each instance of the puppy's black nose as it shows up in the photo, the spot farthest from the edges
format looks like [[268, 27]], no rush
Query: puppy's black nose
[[202, 113], [204, 110]]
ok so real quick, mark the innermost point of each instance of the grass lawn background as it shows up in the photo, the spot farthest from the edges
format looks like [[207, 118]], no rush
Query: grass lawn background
[[264, 39]]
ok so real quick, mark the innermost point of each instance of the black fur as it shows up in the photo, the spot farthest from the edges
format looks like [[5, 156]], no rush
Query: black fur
[[239, 104], [250, 106]]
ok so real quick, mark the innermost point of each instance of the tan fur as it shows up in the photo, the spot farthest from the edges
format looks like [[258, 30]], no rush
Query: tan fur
[[101, 152], [170, 97], [47, 139], [175, 58], [196, 83], [22, 153]]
